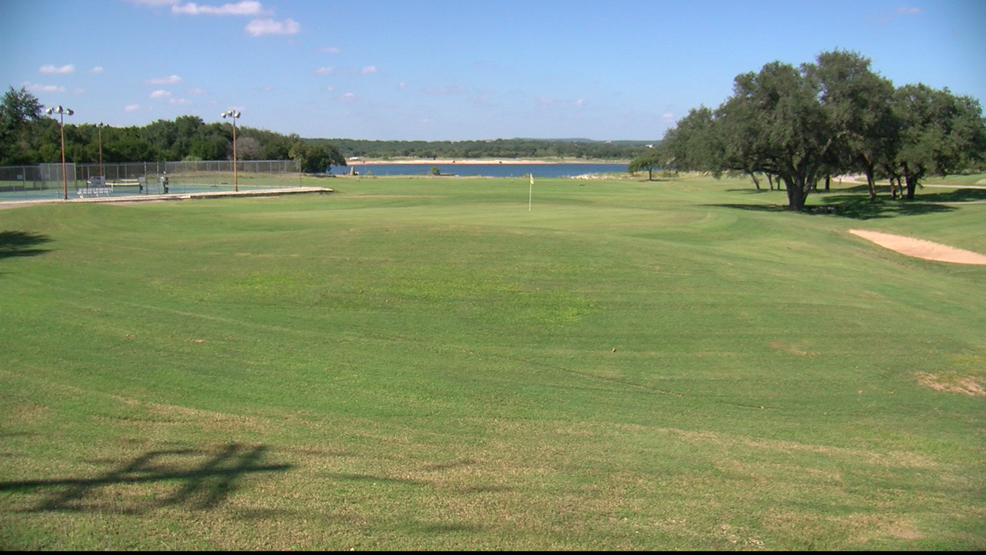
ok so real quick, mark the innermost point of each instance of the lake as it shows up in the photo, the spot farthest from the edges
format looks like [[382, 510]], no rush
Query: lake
[[485, 170]]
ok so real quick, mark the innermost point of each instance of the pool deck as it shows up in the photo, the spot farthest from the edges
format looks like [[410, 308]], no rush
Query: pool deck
[[170, 196]]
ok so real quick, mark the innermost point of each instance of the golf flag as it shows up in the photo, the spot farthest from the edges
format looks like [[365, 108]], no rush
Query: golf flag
[[530, 195]]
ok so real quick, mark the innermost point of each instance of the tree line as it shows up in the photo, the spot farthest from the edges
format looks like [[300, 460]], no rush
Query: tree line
[[28, 136], [798, 126]]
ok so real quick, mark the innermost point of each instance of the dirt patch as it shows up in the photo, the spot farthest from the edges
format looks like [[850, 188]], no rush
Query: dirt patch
[[952, 383], [867, 528], [30, 412], [919, 248]]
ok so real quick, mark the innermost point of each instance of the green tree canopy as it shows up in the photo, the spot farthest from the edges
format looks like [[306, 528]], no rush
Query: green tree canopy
[[29, 137], [940, 133], [834, 115], [650, 160], [21, 123], [860, 103], [774, 123], [316, 158]]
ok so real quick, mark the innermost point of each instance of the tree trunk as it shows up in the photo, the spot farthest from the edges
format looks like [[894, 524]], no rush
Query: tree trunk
[[796, 196], [828, 181], [770, 180], [870, 184], [912, 184], [756, 182], [650, 174]]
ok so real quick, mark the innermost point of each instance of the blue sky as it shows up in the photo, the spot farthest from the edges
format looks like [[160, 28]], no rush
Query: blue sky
[[458, 70]]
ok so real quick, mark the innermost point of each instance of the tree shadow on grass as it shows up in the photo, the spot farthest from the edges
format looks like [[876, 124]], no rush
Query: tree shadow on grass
[[958, 195], [858, 207], [754, 191], [854, 207], [374, 479], [924, 193], [855, 203], [753, 207], [202, 484], [21, 243]]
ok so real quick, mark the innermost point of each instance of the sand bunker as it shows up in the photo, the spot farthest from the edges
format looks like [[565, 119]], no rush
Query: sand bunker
[[920, 248]]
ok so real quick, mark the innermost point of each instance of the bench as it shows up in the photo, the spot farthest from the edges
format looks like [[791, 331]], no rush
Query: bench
[[94, 191]]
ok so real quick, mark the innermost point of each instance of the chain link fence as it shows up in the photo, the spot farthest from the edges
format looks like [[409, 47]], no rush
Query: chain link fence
[[45, 181]]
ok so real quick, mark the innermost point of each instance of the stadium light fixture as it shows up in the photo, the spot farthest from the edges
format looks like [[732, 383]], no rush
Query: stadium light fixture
[[232, 114], [62, 112]]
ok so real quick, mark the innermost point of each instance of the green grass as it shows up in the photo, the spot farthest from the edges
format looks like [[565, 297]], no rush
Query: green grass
[[968, 179], [426, 364]]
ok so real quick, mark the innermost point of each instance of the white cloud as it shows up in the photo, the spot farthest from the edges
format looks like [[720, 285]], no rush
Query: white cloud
[[96, 69], [667, 116], [368, 69], [131, 108], [261, 27], [348, 97], [160, 94], [196, 92], [580, 102], [545, 101], [905, 10], [324, 70], [330, 50], [68, 68], [169, 80], [178, 101], [246, 7], [401, 85], [330, 89], [39, 88]]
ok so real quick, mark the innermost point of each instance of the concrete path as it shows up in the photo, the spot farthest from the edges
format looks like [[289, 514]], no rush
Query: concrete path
[[169, 197]]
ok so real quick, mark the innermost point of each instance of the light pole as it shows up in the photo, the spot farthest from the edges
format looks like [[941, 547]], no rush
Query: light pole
[[62, 112], [233, 115], [99, 127]]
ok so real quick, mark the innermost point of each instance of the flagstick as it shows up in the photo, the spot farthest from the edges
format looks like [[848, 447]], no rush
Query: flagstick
[[530, 195]]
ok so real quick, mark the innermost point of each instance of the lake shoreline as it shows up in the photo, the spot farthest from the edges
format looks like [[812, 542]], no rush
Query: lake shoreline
[[477, 161], [469, 167]]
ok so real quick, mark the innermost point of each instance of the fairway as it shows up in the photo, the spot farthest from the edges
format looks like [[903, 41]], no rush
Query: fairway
[[416, 363]]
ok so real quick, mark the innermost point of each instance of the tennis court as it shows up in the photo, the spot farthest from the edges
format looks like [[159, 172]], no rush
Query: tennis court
[[45, 181]]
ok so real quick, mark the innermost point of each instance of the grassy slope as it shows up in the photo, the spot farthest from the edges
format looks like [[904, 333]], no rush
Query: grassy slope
[[416, 363]]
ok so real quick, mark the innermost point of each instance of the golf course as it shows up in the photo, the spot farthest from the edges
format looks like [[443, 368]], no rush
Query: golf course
[[417, 363]]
